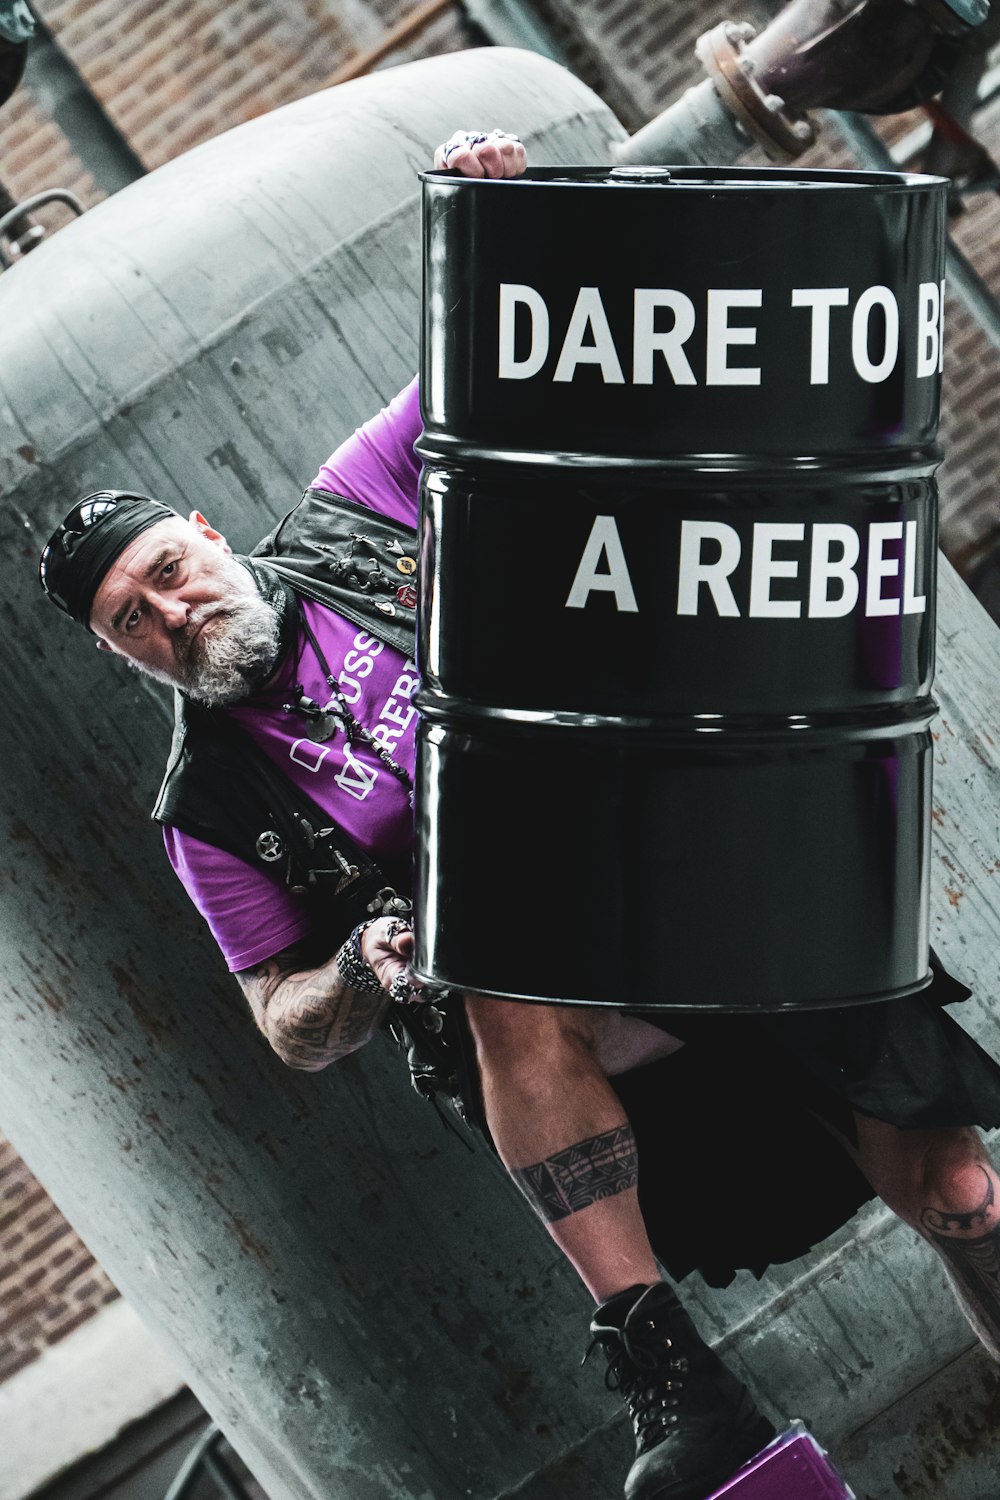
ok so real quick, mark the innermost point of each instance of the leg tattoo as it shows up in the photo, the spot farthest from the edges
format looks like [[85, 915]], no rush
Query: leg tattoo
[[938, 1220], [972, 1260], [591, 1170]]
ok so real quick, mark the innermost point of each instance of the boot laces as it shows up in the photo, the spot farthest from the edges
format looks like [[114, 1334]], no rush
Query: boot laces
[[650, 1384]]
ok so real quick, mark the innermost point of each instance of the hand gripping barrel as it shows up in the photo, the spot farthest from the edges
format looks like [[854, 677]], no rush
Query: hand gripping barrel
[[679, 529]]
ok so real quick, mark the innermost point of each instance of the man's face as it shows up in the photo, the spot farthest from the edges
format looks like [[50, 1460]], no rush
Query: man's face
[[178, 607]]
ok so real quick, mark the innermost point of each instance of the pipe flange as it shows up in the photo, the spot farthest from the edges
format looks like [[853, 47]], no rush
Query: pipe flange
[[783, 133]]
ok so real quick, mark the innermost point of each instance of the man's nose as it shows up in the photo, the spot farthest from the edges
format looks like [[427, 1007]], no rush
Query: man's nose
[[173, 610]]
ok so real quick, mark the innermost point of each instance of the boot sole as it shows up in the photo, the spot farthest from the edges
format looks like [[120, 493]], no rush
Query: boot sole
[[746, 1445]]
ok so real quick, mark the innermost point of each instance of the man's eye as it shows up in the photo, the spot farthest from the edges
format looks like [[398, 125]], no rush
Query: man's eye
[[132, 620], [168, 570]]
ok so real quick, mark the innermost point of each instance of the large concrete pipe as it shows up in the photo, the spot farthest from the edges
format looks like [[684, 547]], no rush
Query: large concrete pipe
[[365, 1308]]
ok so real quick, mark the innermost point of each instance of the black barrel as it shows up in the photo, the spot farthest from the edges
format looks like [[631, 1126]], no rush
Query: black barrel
[[679, 532]]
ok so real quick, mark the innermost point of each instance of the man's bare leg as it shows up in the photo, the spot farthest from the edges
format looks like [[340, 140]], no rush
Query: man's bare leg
[[944, 1184], [566, 1141], [561, 1131]]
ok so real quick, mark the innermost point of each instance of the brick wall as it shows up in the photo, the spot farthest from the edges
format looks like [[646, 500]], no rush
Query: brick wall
[[172, 73], [49, 1281]]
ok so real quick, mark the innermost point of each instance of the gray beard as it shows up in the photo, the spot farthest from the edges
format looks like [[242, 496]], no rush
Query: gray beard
[[236, 651]]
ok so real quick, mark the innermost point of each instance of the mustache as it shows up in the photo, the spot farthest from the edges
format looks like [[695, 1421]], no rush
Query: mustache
[[184, 640]]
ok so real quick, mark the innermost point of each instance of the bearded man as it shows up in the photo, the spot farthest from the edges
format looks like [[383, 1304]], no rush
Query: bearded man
[[287, 815]]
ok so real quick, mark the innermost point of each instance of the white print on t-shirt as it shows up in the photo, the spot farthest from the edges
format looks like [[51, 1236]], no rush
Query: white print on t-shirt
[[358, 664], [308, 754], [397, 713], [356, 779]]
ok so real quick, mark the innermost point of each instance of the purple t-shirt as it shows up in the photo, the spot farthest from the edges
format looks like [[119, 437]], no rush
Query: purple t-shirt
[[251, 917]]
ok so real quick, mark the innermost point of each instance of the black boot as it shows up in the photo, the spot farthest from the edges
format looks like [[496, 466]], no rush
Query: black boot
[[695, 1423]]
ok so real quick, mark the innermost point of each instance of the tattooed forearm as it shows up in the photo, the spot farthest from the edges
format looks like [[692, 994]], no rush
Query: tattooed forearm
[[308, 1014], [596, 1168]]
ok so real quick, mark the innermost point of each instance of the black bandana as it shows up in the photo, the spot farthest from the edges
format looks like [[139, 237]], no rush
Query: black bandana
[[92, 537]]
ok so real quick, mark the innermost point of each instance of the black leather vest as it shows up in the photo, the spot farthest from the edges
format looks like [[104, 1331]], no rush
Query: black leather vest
[[221, 788]]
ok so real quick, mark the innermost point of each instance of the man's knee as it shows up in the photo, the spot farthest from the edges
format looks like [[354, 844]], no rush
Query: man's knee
[[528, 1042], [957, 1178]]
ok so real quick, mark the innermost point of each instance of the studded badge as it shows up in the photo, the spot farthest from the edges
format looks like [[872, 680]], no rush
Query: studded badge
[[270, 846], [385, 606], [407, 565], [407, 596]]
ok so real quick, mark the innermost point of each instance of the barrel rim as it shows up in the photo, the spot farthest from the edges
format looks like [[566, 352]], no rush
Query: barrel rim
[[859, 724], [689, 1007], [915, 461], [699, 178]]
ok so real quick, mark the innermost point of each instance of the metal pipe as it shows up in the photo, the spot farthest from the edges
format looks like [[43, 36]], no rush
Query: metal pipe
[[63, 94], [963, 278], [29, 206], [511, 23], [697, 129]]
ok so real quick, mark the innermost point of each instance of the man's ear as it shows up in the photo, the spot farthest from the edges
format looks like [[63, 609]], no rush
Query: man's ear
[[197, 520]]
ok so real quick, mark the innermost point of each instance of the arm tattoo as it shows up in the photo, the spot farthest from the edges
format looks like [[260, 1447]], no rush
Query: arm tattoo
[[593, 1169], [308, 1014]]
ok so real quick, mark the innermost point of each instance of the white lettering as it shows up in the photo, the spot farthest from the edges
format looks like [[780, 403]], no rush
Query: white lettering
[[344, 683], [874, 372], [406, 685], [913, 603], [720, 336], [822, 569], [670, 342], [880, 567], [603, 541], [397, 713], [821, 299], [694, 571], [356, 778], [928, 329], [308, 754], [764, 567], [512, 295], [589, 314], [355, 662], [941, 328]]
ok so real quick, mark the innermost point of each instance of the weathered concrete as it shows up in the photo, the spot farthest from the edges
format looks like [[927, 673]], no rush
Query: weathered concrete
[[364, 1305]]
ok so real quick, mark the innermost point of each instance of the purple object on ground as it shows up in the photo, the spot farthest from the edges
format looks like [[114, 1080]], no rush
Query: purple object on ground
[[793, 1467]]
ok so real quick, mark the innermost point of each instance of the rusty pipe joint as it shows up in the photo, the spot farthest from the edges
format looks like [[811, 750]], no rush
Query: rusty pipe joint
[[868, 56], [783, 131]]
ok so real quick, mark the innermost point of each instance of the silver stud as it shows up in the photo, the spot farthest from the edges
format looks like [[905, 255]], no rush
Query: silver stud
[[270, 846]]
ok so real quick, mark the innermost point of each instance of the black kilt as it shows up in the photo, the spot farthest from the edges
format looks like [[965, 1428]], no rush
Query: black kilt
[[737, 1169]]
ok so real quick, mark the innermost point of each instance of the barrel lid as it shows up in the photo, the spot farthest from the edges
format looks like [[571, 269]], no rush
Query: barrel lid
[[725, 179]]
